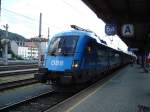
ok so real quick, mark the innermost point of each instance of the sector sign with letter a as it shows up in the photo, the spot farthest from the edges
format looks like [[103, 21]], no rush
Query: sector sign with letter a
[[127, 30]]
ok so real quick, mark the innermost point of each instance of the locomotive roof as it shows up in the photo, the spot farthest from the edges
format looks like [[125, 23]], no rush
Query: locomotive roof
[[79, 33], [73, 32]]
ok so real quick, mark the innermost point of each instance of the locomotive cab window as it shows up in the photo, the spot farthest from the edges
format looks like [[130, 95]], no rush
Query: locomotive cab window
[[63, 45]]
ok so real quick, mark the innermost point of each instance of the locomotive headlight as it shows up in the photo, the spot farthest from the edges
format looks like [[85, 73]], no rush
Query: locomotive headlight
[[75, 64]]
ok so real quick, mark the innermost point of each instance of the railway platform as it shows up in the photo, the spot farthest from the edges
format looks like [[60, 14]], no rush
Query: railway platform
[[128, 90]]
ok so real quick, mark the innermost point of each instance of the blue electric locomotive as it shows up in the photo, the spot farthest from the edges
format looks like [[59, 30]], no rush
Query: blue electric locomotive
[[77, 56]]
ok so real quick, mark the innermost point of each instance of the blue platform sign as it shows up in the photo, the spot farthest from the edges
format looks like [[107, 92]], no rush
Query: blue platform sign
[[133, 49], [110, 29]]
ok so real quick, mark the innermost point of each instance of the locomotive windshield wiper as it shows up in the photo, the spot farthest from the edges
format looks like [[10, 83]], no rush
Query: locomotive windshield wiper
[[56, 52], [52, 52], [63, 53], [68, 53]]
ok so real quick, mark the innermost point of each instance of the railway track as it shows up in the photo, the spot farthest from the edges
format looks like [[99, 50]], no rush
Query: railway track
[[17, 72], [17, 67], [37, 103], [16, 78], [17, 62], [40, 102], [18, 83]]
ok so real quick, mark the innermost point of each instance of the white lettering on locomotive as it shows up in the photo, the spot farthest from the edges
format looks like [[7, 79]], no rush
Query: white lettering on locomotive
[[57, 62]]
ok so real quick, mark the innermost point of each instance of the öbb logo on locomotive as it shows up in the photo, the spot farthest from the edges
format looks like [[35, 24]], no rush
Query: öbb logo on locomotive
[[57, 63]]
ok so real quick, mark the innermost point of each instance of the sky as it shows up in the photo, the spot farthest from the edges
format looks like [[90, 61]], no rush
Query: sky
[[22, 16]]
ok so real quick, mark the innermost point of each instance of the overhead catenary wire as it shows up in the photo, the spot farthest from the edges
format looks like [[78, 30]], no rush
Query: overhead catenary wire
[[29, 18], [44, 23], [18, 14], [73, 7]]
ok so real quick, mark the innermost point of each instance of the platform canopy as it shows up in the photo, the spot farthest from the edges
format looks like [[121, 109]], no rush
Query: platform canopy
[[130, 16]]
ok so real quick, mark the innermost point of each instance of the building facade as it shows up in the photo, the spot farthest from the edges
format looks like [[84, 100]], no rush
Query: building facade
[[29, 49]]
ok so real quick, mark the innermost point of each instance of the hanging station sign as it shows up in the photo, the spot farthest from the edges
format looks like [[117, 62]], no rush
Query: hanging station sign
[[127, 30], [133, 49], [110, 29]]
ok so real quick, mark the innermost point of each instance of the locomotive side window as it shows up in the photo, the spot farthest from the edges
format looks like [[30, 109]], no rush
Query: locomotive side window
[[90, 52], [89, 48]]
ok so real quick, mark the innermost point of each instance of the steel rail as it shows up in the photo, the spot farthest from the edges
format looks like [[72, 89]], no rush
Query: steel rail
[[17, 72], [18, 83], [7, 107], [17, 67]]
